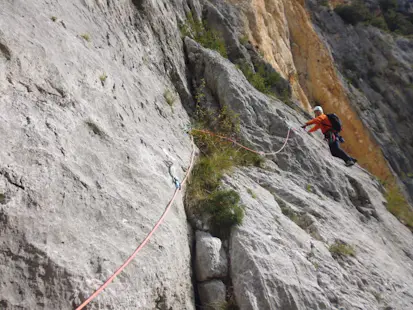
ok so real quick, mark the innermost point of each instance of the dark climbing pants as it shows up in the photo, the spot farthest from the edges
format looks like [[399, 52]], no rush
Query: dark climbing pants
[[336, 151]]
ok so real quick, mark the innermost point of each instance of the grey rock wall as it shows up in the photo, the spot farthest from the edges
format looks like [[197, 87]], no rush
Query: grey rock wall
[[305, 201], [376, 69], [87, 137], [83, 174]]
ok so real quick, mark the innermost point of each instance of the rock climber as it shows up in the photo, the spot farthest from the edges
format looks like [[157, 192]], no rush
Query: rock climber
[[331, 134]]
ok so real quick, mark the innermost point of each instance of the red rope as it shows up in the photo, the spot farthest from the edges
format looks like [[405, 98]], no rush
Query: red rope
[[158, 223], [144, 242], [242, 146]]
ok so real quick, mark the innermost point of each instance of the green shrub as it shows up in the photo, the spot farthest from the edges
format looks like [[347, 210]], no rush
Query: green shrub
[[378, 22], [103, 77], [253, 195], [218, 157], [169, 97], [243, 39], [378, 296], [224, 122], [86, 37], [389, 18], [207, 175], [354, 13], [386, 5], [289, 212], [225, 151], [340, 249], [53, 18], [229, 305], [267, 81], [224, 209], [323, 2], [398, 206], [199, 32], [398, 23]]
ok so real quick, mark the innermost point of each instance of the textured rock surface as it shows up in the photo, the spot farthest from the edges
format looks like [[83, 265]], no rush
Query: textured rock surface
[[379, 75], [272, 264], [285, 35], [212, 294], [82, 162], [267, 27], [211, 259], [86, 131]]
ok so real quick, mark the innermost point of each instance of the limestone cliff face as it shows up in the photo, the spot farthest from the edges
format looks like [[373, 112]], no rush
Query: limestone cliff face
[[85, 132], [279, 257], [267, 26], [284, 32], [95, 99], [376, 67]]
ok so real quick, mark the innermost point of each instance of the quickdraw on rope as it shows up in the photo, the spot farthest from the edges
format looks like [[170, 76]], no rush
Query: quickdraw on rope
[[145, 241], [178, 186], [172, 173]]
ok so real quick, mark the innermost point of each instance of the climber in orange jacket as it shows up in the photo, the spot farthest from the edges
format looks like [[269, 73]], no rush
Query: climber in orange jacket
[[322, 121]]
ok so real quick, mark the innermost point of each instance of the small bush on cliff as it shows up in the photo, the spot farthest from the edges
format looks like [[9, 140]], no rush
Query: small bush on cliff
[[340, 249], [208, 38], [399, 23], [86, 37], [224, 209], [354, 13], [103, 78], [229, 305], [204, 195], [378, 22], [267, 81], [252, 194], [387, 5], [255, 79], [169, 97], [398, 206], [323, 2], [388, 18], [243, 39]]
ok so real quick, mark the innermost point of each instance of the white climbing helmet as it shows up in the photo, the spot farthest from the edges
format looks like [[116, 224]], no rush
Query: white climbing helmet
[[318, 108]]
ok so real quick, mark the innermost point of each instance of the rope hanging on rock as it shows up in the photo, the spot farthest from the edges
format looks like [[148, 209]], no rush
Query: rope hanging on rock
[[145, 241], [178, 187], [243, 146]]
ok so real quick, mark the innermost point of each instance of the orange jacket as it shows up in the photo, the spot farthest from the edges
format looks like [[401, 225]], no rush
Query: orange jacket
[[321, 122]]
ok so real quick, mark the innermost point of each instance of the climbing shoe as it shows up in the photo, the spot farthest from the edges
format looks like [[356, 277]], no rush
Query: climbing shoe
[[350, 163]]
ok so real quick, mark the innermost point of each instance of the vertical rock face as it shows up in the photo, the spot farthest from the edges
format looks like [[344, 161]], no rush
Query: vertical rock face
[[377, 68], [211, 259], [284, 32], [284, 255], [86, 130], [92, 95], [267, 26], [212, 294]]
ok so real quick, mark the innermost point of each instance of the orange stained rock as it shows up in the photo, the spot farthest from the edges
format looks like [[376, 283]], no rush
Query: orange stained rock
[[284, 33]]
